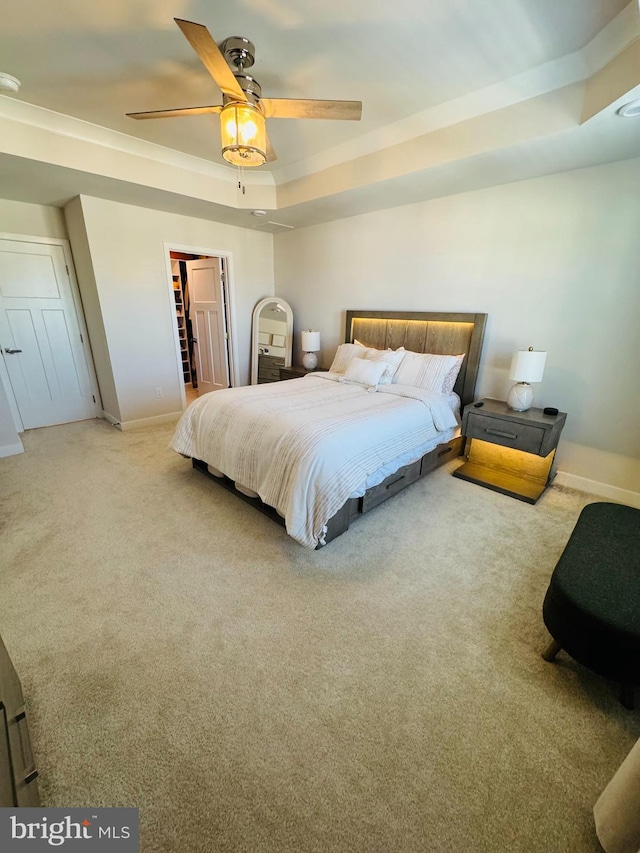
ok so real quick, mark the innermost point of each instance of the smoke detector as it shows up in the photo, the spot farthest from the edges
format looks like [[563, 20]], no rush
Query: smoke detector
[[8, 83]]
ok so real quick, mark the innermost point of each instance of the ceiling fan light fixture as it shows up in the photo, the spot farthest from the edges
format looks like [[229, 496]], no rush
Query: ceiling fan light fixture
[[243, 133]]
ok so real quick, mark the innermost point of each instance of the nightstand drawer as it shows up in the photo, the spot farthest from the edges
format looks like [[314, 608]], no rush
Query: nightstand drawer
[[268, 374], [293, 372], [269, 368], [505, 432]]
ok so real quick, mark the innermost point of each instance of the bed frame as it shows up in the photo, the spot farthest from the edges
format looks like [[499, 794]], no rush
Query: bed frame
[[441, 333]]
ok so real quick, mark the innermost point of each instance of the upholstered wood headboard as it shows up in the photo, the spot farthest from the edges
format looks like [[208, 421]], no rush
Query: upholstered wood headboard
[[441, 333]]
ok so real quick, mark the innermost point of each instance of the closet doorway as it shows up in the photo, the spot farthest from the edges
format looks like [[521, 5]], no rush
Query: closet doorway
[[201, 303]]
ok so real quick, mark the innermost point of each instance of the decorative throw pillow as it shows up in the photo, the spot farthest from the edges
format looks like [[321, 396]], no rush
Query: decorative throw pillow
[[452, 375], [426, 370], [344, 354], [391, 360], [365, 372]]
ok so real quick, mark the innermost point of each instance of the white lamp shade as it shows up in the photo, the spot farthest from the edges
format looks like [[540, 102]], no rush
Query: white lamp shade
[[310, 341], [527, 366]]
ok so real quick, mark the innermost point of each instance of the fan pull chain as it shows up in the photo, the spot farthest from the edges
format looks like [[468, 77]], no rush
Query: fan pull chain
[[241, 185]]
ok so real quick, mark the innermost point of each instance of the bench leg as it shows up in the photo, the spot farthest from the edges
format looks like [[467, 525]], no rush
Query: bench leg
[[627, 696], [551, 651]]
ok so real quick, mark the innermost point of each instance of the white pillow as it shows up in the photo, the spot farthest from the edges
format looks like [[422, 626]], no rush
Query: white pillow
[[452, 375], [344, 354], [392, 361], [427, 370], [365, 372]]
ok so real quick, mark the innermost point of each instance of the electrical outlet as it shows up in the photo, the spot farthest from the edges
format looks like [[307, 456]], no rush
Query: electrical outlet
[[159, 391]]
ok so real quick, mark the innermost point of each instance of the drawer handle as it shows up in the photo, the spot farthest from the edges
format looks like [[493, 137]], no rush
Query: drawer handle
[[29, 772], [445, 451], [395, 482], [502, 434]]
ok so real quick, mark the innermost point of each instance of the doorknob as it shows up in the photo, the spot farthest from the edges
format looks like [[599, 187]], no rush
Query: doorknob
[[11, 351]]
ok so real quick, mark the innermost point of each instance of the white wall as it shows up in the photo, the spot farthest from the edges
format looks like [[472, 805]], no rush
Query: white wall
[[91, 305], [10, 443], [128, 276], [34, 220], [553, 261]]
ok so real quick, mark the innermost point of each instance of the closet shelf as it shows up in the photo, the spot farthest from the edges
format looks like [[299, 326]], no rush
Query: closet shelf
[[182, 327]]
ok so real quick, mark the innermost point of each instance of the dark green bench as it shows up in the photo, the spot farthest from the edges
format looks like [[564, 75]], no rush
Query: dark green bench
[[592, 605]]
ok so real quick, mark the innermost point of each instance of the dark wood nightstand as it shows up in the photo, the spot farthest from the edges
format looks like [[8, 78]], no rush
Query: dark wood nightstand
[[295, 371], [510, 452], [269, 368]]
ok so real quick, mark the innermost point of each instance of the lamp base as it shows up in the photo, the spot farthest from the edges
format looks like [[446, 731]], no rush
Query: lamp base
[[520, 397], [310, 360]]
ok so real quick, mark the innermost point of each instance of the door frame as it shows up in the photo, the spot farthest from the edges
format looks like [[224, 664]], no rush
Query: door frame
[[79, 308], [229, 311]]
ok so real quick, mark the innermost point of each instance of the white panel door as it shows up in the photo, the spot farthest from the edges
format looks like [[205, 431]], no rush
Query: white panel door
[[40, 336], [208, 323]]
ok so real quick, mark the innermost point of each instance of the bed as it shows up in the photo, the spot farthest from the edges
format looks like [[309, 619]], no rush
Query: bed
[[316, 452]]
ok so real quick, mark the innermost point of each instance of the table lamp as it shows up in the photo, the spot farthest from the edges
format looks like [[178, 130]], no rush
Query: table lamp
[[526, 366], [310, 346]]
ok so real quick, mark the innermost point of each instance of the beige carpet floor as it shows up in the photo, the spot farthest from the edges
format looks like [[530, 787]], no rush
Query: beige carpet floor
[[386, 694]]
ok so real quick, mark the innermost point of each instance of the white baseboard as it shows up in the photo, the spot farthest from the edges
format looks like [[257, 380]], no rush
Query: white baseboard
[[109, 418], [145, 422], [603, 490], [11, 449]]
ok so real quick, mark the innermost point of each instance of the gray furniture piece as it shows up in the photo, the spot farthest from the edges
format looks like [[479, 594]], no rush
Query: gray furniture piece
[[293, 372], [18, 775], [592, 605], [269, 368], [510, 452]]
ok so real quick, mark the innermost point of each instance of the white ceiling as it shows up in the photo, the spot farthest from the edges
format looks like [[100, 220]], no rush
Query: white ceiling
[[442, 82], [97, 62]]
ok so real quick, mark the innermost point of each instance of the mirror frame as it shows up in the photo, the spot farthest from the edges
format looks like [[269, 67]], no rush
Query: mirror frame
[[255, 328]]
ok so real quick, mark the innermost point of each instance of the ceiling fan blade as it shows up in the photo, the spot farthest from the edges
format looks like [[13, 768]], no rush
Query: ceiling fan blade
[[271, 154], [291, 108], [202, 42], [182, 111]]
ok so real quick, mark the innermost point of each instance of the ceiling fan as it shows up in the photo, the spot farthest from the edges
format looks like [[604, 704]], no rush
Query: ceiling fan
[[243, 110]]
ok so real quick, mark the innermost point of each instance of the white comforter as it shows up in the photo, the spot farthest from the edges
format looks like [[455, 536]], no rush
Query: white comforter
[[306, 444]]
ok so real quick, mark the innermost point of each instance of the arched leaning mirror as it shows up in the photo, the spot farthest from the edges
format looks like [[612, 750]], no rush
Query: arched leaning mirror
[[271, 339]]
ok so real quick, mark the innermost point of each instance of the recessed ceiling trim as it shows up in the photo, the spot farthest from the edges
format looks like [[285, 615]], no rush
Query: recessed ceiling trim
[[76, 128], [530, 84], [570, 68], [613, 39], [613, 82], [557, 74]]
